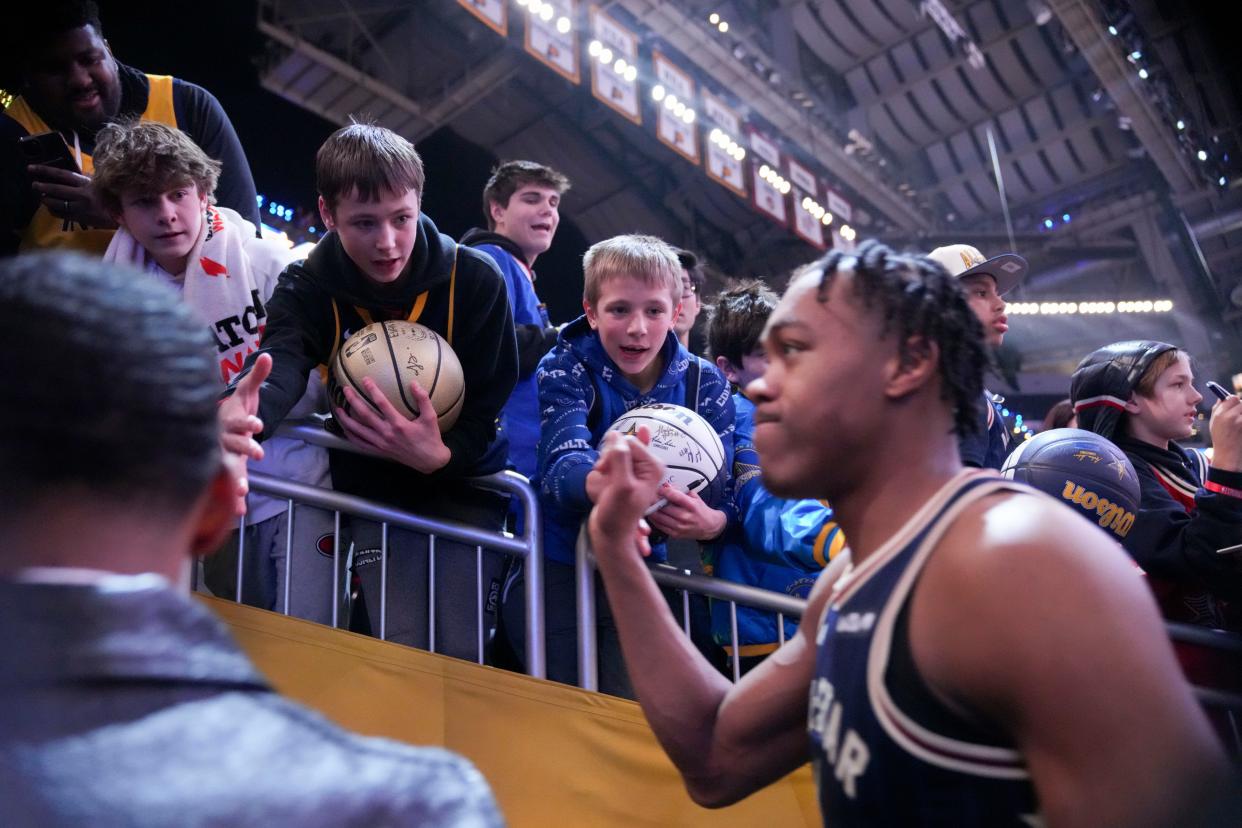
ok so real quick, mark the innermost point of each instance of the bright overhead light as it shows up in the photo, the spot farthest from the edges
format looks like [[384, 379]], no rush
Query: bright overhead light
[[765, 171], [670, 101], [1143, 74], [1222, 181], [631, 73], [1136, 55], [679, 109], [713, 18], [563, 25], [723, 26], [739, 154], [620, 66], [657, 93], [605, 55], [593, 48], [545, 13], [827, 218], [1202, 155], [688, 116], [1112, 30]]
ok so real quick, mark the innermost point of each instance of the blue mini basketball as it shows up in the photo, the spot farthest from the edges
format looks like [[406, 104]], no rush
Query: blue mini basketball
[[1083, 470]]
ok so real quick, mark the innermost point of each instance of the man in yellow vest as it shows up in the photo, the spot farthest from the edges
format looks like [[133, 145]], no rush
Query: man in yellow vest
[[68, 82]]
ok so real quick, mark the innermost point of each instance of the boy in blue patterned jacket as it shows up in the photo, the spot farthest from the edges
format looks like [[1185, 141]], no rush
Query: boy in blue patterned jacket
[[620, 355], [775, 544]]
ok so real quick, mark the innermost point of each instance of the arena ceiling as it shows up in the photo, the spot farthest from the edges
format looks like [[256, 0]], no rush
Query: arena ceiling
[[907, 107]]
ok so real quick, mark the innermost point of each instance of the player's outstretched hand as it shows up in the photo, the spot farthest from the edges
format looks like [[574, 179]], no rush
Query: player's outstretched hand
[[685, 515], [627, 477], [415, 443], [1226, 428], [238, 414]]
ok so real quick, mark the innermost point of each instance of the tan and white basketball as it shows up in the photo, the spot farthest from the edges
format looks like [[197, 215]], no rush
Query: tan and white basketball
[[394, 353]]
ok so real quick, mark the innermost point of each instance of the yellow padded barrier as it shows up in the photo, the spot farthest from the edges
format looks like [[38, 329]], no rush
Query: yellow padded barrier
[[554, 755]]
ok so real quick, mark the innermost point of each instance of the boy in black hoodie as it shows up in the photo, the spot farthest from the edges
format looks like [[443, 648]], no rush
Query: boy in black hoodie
[[384, 260]]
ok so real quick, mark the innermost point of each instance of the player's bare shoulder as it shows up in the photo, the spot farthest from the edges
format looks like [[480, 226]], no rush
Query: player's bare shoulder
[[1008, 532], [1013, 563]]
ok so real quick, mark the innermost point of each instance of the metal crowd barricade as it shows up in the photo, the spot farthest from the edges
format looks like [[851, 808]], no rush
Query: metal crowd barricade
[[1225, 697], [684, 581], [527, 545]]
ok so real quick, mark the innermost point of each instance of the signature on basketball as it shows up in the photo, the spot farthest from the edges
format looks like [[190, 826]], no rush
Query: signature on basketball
[[414, 365], [692, 453], [664, 437]]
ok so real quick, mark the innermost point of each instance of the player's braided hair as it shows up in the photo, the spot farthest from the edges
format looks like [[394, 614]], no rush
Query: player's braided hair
[[918, 299]]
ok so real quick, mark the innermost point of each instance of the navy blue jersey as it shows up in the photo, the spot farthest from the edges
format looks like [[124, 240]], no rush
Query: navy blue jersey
[[989, 445], [886, 751]]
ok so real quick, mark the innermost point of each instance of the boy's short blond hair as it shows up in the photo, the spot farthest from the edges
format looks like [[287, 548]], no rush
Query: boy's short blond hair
[[368, 160], [148, 157], [646, 258]]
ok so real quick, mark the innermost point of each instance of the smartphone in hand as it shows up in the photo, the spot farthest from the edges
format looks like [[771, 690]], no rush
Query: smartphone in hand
[[1218, 389], [49, 150]]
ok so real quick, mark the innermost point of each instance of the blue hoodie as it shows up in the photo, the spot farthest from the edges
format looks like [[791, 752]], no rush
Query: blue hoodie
[[577, 376]]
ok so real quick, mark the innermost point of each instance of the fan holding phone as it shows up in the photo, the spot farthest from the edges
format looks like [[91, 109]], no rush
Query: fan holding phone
[[1142, 395], [70, 85]]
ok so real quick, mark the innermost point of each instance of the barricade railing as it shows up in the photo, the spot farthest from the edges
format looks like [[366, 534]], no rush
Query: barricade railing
[[527, 544], [1225, 647], [686, 582]]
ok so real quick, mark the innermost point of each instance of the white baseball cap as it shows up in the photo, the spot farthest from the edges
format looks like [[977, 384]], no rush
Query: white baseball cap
[[962, 260]]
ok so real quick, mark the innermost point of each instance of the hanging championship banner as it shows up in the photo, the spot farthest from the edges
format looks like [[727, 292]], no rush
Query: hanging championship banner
[[724, 152], [614, 71], [551, 38], [495, 13], [765, 167], [807, 210], [676, 115], [806, 225], [839, 207], [803, 179]]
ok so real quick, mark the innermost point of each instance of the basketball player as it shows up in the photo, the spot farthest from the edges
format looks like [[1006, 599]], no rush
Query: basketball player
[[985, 281], [986, 657]]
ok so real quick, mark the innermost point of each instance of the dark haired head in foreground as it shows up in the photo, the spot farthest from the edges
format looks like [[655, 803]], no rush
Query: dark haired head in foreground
[[123, 702]]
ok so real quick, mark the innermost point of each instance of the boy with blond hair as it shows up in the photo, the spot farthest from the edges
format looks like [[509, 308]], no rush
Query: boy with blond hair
[[159, 188], [621, 354], [383, 259]]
